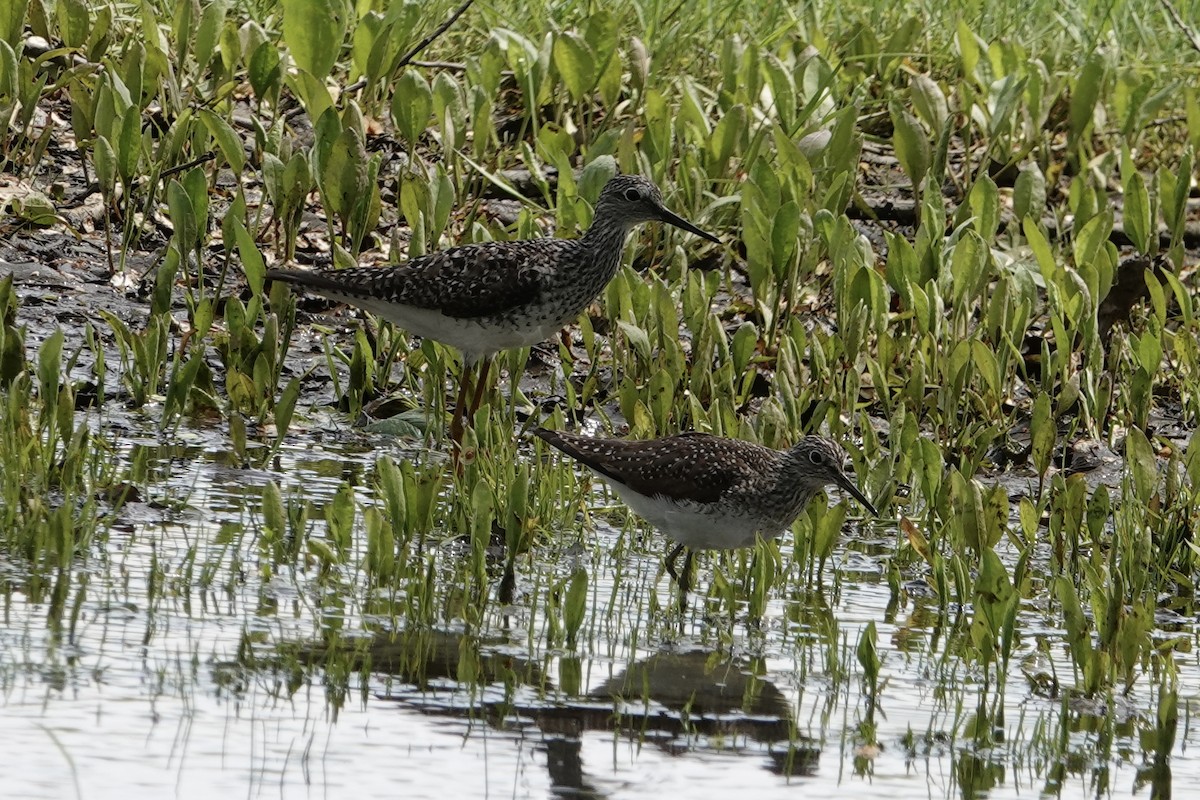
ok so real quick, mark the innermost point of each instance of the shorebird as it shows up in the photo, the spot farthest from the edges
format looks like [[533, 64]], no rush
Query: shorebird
[[711, 493], [491, 296]]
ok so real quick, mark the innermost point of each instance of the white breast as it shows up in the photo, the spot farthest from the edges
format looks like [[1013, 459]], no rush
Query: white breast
[[696, 525], [472, 337]]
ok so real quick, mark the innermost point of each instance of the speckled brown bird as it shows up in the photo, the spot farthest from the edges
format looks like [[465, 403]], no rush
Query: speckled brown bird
[[711, 493], [491, 296]]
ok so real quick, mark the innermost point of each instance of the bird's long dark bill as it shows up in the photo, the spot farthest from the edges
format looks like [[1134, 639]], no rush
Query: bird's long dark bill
[[680, 222], [846, 484]]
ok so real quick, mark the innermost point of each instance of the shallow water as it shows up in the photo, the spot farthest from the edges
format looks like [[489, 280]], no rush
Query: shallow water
[[148, 694]]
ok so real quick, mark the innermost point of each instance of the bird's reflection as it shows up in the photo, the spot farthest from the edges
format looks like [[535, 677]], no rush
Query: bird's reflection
[[684, 702]]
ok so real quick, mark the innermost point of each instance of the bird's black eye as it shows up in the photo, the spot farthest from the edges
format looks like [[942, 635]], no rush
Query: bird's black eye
[[633, 195], [816, 457]]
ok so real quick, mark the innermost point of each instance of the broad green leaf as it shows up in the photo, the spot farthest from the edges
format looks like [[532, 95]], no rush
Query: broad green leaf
[[1050, 268], [1043, 432], [1029, 193], [313, 31], [412, 105], [968, 266], [929, 101], [212, 20], [597, 173], [73, 22], [576, 604], [1139, 222], [105, 161], [1142, 465], [183, 217], [1078, 631], [637, 338], [785, 231], [725, 137], [1090, 239], [911, 145], [968, 48], [575, 63], [129, 143], [265, 70], [196, 186], [1174, 202], [745, 341], [1085, 93], [226, 138], [12, 21], [252, 260], [984, 199], [344, 173], [868, 655], [313, 93]]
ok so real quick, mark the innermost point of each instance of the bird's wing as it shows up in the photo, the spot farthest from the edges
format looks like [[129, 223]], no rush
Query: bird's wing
[[687, 466], [469, 281]]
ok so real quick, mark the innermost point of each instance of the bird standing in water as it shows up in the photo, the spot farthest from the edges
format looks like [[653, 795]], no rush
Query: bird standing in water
[[711, 493], [491, 296]]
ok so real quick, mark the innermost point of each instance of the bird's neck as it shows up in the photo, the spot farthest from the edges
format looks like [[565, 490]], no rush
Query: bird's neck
[[604, 242]]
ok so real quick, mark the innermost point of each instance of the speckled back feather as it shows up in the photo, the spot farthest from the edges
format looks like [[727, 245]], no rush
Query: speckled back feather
[[472, 280], [688, 466]]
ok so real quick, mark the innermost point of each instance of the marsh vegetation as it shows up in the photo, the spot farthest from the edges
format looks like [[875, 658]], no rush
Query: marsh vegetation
[[961, 238]]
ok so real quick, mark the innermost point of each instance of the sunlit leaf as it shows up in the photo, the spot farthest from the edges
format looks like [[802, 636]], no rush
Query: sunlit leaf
[[313, 31], [575, 63]]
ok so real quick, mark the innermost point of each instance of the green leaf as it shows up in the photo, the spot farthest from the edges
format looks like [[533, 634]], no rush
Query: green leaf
[[73, 22], [1029, 193], [575, 63], [265, 69], [411, 424], [1139, 222], [1042, 428], [313, 94], [929, 101], [595, 175], [212, 20], [745, 341], [1085, 93], [725, 137], [968, 48], [12, 21], [1090, 239], [196, 186], [637, 338], [1141, 463], [576, 607], [984, 199], [129, 143], [911, 145], [785, 231], [252, 260], [868, 655], [1050, 268], [313, 31], [183, 216], [344, 173], [226, 139], [968, 266], [412, 105]]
